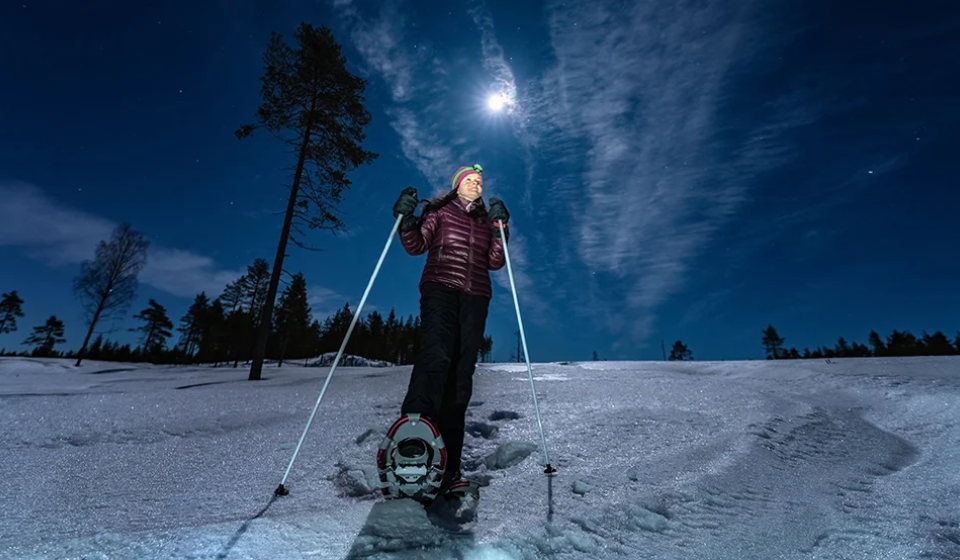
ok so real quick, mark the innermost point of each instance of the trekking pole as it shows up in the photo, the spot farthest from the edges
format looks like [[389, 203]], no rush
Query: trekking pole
[[281, 491], [526, 355]]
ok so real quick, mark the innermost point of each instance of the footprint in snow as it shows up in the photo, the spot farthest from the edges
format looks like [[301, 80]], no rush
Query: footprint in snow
[[503, 415], [482, 430]]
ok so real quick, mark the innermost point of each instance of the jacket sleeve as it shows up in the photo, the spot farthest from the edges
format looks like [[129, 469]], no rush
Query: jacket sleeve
[[418, 240], [497, 257]]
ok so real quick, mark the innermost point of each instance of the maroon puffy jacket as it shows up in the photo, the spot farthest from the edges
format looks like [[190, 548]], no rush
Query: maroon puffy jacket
[[462, 249]]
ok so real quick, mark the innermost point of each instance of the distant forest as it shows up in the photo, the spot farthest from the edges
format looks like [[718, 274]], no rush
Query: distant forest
[[222, 330], [896, 344]]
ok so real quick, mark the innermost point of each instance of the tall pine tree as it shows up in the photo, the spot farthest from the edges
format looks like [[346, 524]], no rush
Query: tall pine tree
[[312, 103]]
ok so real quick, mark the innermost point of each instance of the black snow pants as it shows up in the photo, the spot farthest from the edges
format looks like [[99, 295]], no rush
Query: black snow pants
[[452, 324]]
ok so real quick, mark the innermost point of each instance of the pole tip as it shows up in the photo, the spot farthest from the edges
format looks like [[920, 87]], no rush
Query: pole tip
[[281, 491], [549, 470]]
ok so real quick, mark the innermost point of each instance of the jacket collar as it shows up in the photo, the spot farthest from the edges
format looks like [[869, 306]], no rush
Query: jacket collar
[[466, 205]]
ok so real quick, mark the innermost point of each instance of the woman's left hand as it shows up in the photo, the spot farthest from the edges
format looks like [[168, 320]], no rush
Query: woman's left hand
[[498, 211]]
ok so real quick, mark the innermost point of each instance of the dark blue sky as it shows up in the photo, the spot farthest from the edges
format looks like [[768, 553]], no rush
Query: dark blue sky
[[674, 170]]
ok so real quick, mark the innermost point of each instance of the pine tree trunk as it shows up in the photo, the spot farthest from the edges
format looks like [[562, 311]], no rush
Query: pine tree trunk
[[267, 312], [93, 323], [283, 351]]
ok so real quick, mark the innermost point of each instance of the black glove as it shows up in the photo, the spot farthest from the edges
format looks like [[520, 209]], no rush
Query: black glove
[[409, 223], [498, 211], [407, 203]]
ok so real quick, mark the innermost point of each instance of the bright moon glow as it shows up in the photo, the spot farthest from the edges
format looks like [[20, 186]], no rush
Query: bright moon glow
[[496, 102]]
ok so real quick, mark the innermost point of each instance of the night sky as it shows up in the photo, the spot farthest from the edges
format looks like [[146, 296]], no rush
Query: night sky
[[674, 169]]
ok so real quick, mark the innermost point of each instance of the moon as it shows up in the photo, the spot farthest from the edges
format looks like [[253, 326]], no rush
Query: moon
[[496, 102]]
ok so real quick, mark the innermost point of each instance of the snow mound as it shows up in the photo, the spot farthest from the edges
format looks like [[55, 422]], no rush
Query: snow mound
[[509, 454], [581, 488], [356, 481], [347, 360]]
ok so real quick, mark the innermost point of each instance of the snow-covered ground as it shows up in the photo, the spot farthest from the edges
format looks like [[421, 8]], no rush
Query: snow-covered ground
[[858, 459]]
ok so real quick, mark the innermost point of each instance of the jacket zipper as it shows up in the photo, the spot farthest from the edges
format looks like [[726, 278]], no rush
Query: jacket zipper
[[470, 256]]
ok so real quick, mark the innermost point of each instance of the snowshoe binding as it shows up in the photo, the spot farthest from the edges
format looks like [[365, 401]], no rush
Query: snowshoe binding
[[454, 485], [411, 460]]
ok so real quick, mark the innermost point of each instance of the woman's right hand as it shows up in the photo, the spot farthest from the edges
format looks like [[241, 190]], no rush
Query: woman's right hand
[[407, 203]]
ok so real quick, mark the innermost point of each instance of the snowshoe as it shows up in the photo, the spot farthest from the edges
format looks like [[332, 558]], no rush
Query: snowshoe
[[411, 460]]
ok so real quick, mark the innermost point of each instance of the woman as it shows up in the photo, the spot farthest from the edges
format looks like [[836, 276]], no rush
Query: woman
[[463, 244]]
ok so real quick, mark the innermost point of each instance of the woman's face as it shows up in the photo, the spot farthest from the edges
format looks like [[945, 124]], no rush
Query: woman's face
[[471, 187]]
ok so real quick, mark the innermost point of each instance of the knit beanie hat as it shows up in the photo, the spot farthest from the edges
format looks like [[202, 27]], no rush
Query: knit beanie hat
[[463, 172]]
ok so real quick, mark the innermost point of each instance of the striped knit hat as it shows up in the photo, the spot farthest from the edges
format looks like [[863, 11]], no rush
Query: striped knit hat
[[463, 172]]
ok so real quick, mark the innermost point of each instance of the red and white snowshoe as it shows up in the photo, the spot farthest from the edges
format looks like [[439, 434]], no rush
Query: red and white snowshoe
[[411, 460]]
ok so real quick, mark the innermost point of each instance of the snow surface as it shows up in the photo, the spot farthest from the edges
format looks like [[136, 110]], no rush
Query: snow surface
[[857, 459]]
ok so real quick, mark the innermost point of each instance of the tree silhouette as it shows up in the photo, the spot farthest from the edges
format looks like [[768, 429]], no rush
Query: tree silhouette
[[519, 354], [842, 349], [46, 337], [233, 295], [293, 318], [108, 283], [902, 343], [772, 342], [679, 352], [192, 324], [10, 309], [156, 328], [486, 348], [312, 103], [879, 347], [937, 344]]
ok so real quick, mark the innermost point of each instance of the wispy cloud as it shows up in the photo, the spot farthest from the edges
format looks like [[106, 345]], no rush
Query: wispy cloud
[[45, 229], [50, 231], [414, 76], [634, 110]]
